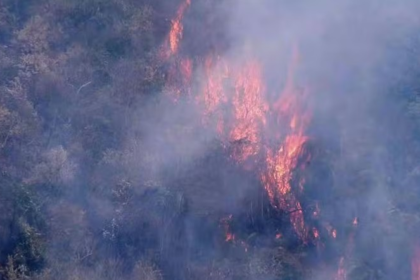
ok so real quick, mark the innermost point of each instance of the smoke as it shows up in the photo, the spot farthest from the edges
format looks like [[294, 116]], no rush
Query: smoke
[[172, 188], [348, 52], [349, 61]]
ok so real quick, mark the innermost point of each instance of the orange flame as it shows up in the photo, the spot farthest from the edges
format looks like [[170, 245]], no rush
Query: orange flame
[[229, 237], [186, 69], [234, 96], [245, 99], [244, 127], [177, 29], [316, 233], [282, 162], [225, 222], [213, 93], [249, 111], [355, 221]]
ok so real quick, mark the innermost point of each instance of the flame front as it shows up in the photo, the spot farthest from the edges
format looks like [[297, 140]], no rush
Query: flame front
[[179, 75], [249, 111], [263, 129], [236, 101], [283, 161], [234, 97], [213, 95], [177, 29]]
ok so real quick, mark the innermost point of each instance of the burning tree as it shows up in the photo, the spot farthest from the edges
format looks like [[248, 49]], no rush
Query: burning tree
[[192, 140]]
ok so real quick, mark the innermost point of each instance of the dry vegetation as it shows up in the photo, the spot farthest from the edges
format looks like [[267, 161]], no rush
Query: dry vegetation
[[79, 195]]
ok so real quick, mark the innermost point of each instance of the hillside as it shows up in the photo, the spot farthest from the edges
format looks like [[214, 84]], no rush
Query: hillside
[[211, 140]]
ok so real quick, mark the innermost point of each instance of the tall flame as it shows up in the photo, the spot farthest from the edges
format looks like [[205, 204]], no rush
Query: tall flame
[[239, 90], [249, 111], [261, 134], [177, 29], [283, 160], [179, 75], [235, 99], [213, 93]]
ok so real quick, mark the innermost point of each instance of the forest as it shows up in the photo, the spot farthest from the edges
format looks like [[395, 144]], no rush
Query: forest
[[209, 139]]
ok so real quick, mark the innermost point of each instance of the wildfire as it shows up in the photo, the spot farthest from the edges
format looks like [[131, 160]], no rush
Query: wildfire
[[249, 111], [283, 161], [270, 136], [186, 69], [355, 221], [332, 231], [234, 96], [341, 273], [235, 99], [179, 75], [316, 211], [179, 78], [225, 222], [237, 89], [229, 237], [177, 28], [213, 93], [316, 233]]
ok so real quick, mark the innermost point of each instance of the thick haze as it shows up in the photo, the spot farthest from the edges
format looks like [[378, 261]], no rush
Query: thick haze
[[349, 62]]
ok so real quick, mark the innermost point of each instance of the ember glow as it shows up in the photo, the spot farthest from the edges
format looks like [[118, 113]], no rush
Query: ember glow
[[177, 28], [315, 233], [334, 233], [341, 273], [240, 88], [316, 211], [179, 75], [355, 221], [284, 160], [249, 110], [179, 78], [225, 223], [234, 98], [264, 129]]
